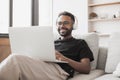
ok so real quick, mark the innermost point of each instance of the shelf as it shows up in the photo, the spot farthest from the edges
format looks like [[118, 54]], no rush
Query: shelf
[[103, 4], [101, 34], [93, 20], [102, 20], [104, 35]]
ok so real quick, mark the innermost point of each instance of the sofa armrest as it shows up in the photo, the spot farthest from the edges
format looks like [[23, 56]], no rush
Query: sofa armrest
[[102, 56]]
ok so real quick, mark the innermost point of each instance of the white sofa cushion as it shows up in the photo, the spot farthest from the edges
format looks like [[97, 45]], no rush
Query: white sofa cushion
[[113, 57], [91, 76], [117, 71], [107, 77], [92, 41]]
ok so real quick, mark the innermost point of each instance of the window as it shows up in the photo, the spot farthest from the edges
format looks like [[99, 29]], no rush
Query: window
[[45, 12], [24, 13], [4, 16]]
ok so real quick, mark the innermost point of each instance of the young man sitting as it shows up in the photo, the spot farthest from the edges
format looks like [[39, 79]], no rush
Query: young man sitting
[[74, 51]]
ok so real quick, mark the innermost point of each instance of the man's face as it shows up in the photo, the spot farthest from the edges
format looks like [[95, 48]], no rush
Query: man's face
[[65, 25]]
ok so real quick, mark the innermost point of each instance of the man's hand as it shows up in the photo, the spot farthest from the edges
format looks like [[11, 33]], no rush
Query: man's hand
[[59, 56]]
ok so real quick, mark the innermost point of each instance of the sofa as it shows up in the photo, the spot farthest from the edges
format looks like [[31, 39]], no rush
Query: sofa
[[106, 65]]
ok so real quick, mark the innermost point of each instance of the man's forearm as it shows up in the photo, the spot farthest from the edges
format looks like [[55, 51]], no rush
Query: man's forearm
[[82, 67]]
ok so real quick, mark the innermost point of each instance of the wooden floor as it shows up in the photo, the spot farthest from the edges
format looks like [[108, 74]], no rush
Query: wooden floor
[[4, 48]]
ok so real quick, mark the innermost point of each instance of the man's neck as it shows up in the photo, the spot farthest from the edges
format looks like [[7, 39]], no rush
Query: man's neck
[[67, 37]]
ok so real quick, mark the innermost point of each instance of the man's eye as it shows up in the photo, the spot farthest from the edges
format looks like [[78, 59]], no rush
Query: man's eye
[[63, 23], [60, 23]]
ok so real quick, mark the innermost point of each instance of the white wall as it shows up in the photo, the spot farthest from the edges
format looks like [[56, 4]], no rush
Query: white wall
[[77, 7]]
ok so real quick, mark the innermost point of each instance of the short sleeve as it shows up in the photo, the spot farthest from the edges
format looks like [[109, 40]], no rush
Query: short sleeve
[[85, 51]]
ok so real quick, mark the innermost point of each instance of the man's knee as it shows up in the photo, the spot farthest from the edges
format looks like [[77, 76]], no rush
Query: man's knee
[[17, 57], [12, 59]]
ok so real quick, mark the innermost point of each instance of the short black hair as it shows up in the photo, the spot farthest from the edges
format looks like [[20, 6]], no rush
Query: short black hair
[[68, 14]]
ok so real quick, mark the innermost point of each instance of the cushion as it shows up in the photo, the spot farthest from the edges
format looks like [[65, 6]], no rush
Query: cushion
[[92, 41], [107, 77], [113, 57], [91, 76], [117, 71]]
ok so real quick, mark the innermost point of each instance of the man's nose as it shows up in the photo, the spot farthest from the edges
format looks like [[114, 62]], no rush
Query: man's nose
[[62, 26]]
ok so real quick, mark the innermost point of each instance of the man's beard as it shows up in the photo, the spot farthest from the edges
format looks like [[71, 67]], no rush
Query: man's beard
[[65, 31]]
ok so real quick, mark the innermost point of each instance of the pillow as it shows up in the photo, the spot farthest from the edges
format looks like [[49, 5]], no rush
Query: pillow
[[117, 71], [113, 57], [92, 41]]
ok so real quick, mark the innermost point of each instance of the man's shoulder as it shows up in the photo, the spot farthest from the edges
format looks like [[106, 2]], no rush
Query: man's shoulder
[[56, 40], [79, 40]]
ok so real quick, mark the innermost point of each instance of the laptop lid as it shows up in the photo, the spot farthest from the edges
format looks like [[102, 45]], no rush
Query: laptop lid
[[36, 42]]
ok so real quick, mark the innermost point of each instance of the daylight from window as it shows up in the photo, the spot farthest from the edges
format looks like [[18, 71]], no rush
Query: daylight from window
[[4, 16]]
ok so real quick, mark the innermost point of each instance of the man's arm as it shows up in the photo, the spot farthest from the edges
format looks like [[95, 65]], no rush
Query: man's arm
[[83, 66]]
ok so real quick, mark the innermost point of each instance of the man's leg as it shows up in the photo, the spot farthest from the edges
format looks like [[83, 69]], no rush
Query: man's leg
[[17, 67]]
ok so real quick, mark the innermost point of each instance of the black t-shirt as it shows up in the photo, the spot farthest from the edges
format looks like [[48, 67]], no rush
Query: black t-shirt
[[75, 49]]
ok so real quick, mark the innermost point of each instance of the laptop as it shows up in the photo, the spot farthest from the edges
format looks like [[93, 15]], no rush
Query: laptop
[[36, 42]]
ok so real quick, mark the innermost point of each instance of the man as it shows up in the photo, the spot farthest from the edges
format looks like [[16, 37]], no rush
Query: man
[[75, 52]]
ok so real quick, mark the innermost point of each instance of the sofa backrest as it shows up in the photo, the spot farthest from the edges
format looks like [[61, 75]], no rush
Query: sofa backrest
[[102, 57], [92, 41]]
